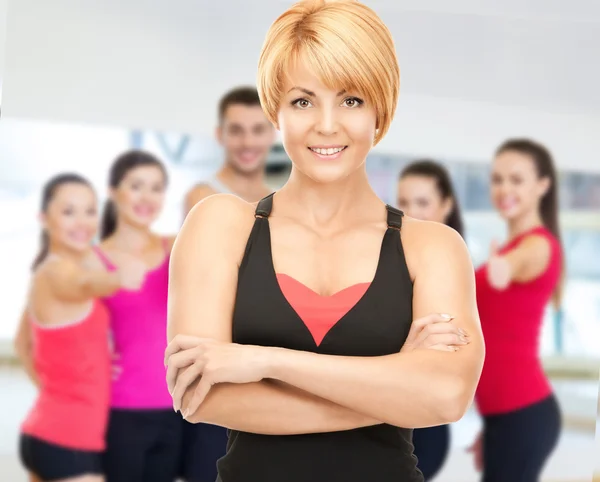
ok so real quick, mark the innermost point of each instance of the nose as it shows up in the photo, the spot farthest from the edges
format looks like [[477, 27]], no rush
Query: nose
[[327, 123]]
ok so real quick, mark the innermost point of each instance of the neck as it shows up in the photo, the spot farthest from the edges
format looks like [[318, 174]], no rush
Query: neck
[[65, 252], [523, 224], [249, 186], [130, 238], [330, 205]]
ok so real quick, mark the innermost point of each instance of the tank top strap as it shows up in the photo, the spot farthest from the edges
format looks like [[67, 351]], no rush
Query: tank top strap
[[103, 257], [394, 217], [265, 206], [166, 245]]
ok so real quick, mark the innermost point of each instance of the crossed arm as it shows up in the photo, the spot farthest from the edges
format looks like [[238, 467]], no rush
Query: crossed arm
[[308, 393]]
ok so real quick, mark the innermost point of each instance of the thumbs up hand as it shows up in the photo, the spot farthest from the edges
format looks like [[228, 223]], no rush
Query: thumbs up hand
[[498, 268]]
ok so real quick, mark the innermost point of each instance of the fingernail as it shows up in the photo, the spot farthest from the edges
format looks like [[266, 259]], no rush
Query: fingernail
[[464, 339], [446, 316], [185, 414], [462, 332]]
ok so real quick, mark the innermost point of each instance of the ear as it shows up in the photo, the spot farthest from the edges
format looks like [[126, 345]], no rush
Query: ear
[[43, 220], [544, 185], [447, 207]]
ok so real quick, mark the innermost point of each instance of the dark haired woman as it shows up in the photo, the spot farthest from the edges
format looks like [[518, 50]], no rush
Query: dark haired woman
[[425, 192], [522, 419], [63, 339], [144, 433]]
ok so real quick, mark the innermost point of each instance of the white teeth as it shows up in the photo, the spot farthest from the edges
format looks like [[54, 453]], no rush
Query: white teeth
[[327, 152]]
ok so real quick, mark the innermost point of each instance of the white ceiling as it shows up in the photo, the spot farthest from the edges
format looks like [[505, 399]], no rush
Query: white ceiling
[[156, 64]]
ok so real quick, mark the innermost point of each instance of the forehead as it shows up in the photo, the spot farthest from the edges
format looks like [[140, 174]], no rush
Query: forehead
[[244, 115], [73, 193], [418, 182], [513, 161], [145, 172]]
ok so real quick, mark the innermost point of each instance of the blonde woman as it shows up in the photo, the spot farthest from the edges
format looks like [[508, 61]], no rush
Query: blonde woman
[[291, 321]]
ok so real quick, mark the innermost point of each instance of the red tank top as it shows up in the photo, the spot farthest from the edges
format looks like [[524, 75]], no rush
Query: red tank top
[[511, 321], [72, 361]]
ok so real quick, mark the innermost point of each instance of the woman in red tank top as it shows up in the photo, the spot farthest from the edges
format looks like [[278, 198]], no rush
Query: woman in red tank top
[[64, 339], [521, 416]]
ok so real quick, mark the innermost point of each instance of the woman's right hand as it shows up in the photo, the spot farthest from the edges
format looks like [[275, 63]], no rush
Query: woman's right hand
[[436, 332], [132, 272], [477, 450]]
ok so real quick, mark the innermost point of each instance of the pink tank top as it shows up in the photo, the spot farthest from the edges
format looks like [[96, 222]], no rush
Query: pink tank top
[[139, 329], [72, 361]]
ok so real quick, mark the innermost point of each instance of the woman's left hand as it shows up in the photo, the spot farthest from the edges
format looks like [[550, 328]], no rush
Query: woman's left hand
[[190, 357]]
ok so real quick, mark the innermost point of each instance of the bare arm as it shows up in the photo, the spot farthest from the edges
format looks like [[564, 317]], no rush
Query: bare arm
[[24, 346], [416, 389], [202, 289], [72, 283], [524, 263]]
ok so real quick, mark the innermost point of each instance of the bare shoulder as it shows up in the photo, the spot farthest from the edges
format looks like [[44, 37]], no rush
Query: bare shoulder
[[54, 269], [199, 192], [427, 242], [535, 243], [222, 221]]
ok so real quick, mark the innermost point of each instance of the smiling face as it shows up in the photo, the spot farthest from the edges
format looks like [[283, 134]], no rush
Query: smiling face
[[246, 136], [71, 218], [140, 195], [327, 133], [420, 198], [516, 188]]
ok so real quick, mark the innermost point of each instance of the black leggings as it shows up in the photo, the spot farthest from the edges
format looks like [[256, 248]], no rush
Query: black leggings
[[143, 446], [431, 448], [516, 445]]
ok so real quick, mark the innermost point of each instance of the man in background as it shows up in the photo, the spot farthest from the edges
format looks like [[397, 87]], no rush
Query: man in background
[[246, 136]]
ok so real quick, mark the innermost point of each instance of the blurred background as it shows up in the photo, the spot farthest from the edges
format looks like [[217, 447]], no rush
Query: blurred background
[[81, 81]]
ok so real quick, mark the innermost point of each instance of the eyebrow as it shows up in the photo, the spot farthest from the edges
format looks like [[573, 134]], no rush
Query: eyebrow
[[311, 93]]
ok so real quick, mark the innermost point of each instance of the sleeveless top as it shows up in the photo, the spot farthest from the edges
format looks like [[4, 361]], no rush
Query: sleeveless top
[[216, 184], [72, 361], [376, 325], [511, 322], [139, 330]]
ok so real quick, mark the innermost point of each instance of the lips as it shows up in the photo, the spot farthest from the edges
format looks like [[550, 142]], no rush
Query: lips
[[507, 203], [248, 156], [143, 210], [80, 236], [327, 152]]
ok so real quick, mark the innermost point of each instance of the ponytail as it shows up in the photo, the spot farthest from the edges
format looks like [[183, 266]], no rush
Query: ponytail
[[43, 251], [108, 225]]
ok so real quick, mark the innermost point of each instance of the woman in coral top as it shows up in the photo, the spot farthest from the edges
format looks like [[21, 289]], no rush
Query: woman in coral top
[[66, 328], [521, 415]]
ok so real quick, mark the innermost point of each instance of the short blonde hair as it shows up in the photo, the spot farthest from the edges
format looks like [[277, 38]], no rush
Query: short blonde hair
[[344, 43]]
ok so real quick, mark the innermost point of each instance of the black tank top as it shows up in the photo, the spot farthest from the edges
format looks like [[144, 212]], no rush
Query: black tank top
[[377, 325]]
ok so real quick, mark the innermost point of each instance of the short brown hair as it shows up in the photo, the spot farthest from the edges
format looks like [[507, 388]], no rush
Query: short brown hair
[[240, 95]]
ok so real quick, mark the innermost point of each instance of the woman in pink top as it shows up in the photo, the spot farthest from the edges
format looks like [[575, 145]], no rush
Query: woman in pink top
[[144, 433], [63, 339]]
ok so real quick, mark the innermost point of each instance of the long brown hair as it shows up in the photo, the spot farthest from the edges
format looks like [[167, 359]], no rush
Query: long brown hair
[[544, 165]]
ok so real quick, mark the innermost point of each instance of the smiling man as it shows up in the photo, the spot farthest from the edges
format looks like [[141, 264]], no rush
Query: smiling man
[[246, 136]]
